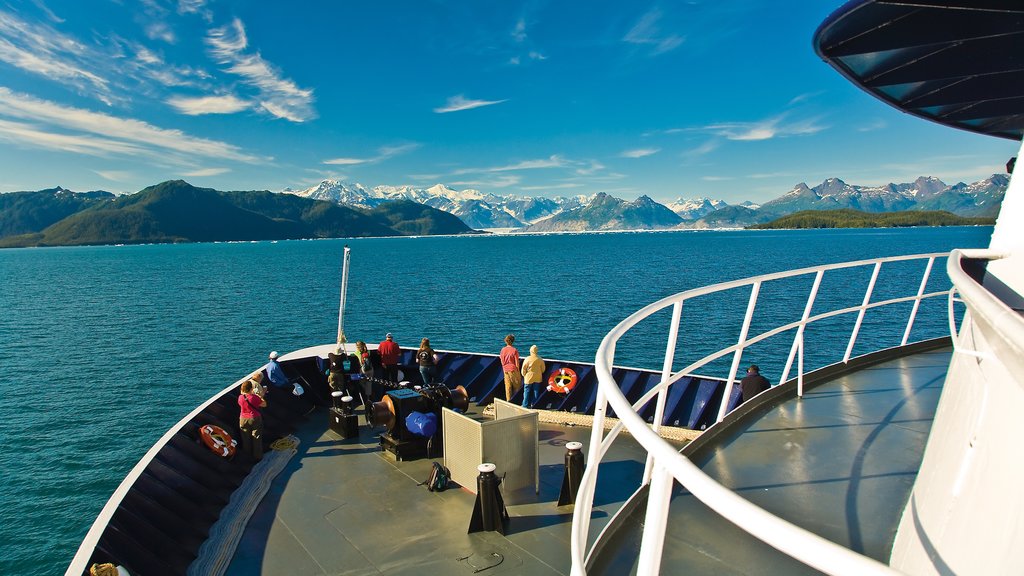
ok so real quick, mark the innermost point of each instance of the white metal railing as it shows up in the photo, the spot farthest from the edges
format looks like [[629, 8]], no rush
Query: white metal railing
[[665, 464]]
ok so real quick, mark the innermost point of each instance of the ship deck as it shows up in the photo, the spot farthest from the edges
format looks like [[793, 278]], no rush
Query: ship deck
[[345, 507], [840, 462]]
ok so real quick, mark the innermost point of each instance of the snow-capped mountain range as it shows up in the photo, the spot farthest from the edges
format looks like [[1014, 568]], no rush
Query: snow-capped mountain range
[[598, 212]]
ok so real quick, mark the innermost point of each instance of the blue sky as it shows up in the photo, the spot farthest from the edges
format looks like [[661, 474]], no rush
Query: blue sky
[[723, 98]]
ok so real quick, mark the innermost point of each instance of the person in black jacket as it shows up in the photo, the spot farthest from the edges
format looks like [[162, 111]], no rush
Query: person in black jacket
[[753, 383]]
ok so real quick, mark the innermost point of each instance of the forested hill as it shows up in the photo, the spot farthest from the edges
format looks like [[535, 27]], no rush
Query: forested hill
[[849, 218], [176, 211]]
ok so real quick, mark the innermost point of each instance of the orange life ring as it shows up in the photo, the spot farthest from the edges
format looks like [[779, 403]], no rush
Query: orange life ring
[[218, 441], [562, 380]]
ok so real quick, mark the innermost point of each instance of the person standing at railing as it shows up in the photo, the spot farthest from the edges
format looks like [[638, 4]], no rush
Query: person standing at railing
[[753, 383], [509, 357], [389, 353], [533, 375]]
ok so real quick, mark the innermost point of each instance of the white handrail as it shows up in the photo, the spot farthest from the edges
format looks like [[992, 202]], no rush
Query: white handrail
[[665, 463]]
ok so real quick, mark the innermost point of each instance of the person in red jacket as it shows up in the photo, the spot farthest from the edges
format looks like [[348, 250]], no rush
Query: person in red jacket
[[389, 352], [509, 357]]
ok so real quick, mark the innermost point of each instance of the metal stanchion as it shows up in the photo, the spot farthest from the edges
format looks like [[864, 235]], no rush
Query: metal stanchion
[[489, 513], [573, 473]]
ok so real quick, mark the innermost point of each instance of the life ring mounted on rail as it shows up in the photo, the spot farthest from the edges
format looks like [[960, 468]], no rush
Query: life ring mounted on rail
[[218, 441], [562, 380]]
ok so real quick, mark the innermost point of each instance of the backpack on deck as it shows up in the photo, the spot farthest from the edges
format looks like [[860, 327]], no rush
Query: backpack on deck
[[438, 479]]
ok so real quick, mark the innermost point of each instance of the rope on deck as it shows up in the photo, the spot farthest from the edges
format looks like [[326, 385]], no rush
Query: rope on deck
[[216, 552]]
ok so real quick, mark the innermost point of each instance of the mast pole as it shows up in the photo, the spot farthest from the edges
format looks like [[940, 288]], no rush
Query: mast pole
[[341, 306]]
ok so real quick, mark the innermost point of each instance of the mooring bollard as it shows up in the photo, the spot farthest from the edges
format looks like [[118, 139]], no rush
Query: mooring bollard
[[489, 513], [573, 473]]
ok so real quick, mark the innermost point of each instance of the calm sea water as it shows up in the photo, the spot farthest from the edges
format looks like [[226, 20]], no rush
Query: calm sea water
[[102, 349]]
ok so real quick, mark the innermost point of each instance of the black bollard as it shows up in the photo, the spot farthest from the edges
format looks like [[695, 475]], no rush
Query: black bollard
[[343, 421], [489, 513], [573, 473]]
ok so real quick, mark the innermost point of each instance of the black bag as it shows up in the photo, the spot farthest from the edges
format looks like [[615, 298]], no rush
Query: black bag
[[438, 479]]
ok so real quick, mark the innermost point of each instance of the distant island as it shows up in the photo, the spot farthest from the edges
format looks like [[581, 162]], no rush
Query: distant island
[[850, 218]]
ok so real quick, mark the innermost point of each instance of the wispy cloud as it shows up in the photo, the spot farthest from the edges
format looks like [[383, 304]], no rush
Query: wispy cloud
[[716, 178], [49, 13], [160, 31], [460, 102], [554, 161], [871, 127], [519, 32], [43, 50], [702, 150], [207, 172], [52, 126], [195, 7], [777, 127], [639, 152], [553, 186], [647, 33], [503, 181], [383, 153], [226, 104], [276, 95], [115, 175], [804, 97]]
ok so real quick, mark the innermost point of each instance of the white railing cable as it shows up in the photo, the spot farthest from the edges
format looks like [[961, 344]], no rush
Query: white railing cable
[[798, 339], [666, 373], [738, 355], [665, 464], [917, 302], [863, 309]]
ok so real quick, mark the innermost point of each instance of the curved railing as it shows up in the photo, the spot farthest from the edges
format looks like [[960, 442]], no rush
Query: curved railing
[[665, 464]]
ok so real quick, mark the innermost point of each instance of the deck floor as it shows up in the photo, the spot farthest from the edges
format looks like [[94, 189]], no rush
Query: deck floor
[[840, 462], [344, 507]]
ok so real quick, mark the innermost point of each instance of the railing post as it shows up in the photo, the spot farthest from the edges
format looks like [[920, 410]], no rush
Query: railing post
[[724, 408], [659, 497], [917, 302], [800, 370], [860, 315], [585, 497], [666, 373], [803, 323]]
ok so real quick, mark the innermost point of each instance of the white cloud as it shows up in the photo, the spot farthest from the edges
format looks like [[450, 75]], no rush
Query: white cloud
[[554, 161], [206, 172], [41, 49], [705, 148], [49, 13], [226, 104], [871, 127], [646, 32], [115, 175], [553, 186], [716, 178], [767, 129], [383, 153], [519, 33], [195, 7], [502, 181], [56, 127], [639, 152], [160, 31], [459, 103], [277, 95]]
